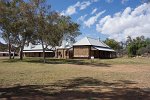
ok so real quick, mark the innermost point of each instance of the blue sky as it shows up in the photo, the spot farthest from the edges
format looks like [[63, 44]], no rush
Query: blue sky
[[110, 8], [103, 19]]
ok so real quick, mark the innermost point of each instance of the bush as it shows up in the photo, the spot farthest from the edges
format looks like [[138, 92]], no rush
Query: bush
[[144, 50]]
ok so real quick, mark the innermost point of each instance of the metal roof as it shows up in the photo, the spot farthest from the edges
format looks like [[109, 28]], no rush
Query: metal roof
[[91, 41], [66, 44], [66, 47], [36, 51], [5, 52], [104, 49], [36, 47]]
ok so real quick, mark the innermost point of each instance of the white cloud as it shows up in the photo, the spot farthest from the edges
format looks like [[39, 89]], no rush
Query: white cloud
[[94, 11], [70, 10], [93, 19], [78, 6], [84, 5], [81, 18], [124, 1], [130, 22]]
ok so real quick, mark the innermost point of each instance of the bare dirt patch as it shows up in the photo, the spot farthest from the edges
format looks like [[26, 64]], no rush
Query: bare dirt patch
[[68, 80]]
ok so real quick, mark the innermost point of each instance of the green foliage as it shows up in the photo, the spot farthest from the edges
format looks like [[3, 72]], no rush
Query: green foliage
[[33, 21], [7, 21], [112, 43], [51, 27], [16, 23], [3, 47], [137, 46], [144, 50], [132, 50]]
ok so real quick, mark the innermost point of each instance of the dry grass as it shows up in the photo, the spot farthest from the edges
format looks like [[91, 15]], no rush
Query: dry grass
[[75, 79]]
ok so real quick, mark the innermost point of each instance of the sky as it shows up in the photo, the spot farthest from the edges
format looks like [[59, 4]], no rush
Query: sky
[[103, 19]]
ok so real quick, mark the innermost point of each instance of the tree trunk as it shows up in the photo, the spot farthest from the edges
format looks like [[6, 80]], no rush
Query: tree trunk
[[21, 50], [13, 55], [9, 48], [56, 56], [44, 58], [21, 54]]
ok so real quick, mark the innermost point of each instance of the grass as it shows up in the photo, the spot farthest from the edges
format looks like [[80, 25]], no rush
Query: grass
[[75, 79], [97, 62]]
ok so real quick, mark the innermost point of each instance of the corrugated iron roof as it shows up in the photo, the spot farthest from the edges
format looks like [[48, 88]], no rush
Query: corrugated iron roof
[[91, 41], [35, 51], [36, 47], [104, 49]]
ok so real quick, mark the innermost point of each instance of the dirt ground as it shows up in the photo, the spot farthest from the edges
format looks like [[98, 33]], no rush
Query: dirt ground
[[114, 79]]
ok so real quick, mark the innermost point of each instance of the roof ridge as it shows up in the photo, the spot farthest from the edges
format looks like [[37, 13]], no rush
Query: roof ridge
[[98, 41], [92, 38], [88, 40], [104, 43]]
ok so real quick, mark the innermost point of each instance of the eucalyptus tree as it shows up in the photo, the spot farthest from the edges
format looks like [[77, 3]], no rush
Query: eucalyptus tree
[[24, 26], [113, 44], [8, 13], [17, 22], [51, 26], [137, 46], [25, 21]]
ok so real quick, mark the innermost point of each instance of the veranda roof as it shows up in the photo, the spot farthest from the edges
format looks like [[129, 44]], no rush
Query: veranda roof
[[104, 49], [35, 51], [5, 52]]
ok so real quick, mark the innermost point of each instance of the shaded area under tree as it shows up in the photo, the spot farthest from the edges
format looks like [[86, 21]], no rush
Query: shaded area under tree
[[83, 88], [63, 61]]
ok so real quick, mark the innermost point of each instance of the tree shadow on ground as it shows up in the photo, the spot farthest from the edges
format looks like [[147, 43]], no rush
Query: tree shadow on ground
[[82, 88], [11, 60], [62, 61], [78, 62]]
